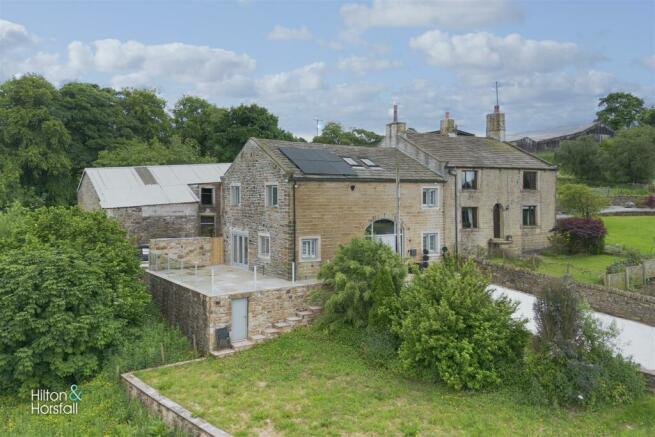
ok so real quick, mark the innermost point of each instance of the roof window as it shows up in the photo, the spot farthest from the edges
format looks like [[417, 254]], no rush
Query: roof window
[[352, 162], [369, 163]]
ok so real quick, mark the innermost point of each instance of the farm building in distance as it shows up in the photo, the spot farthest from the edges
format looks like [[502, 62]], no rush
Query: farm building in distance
[[550, 140], [157, 201]]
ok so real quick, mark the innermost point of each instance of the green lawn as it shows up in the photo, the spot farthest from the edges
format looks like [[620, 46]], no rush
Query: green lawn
[[307, 383], [636, 232], [583, 268]]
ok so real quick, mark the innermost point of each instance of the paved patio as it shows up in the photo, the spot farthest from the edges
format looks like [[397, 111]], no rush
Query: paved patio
[[226, 280]]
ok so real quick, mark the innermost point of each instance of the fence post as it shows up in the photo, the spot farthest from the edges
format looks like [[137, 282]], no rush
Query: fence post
[[643, 273], [161, 348], [627, 277], [607, 281]]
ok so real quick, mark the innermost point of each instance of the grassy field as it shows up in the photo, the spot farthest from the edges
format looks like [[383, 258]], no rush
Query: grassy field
[[632, 232], [308, 383], [583, 268], [105, 409]]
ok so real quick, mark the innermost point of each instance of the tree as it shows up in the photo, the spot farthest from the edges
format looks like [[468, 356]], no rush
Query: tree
[[581, 157], [136, 152], [33, 142], [333, 133], [619, 110], [647, 117], [450, 325], [631, 155], [146, 114], [94, 119], [198, 120], [240, 123], [579, 200], [69, 286]]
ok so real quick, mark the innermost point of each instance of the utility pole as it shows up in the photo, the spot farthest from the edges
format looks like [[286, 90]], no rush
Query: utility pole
[[318, 125]]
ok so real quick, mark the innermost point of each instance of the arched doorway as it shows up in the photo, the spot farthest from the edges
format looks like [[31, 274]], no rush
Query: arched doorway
[[384, 230], [498, 220]]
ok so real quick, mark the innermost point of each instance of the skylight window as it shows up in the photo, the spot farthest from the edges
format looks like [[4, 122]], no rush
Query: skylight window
[[351, 162], [369, 163]]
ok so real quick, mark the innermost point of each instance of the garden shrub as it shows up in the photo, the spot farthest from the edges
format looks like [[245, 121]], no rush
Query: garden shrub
[[649, 201], [361, 282], [573, 363], [579, 235], [450, 325], [580, 200], [69, 287]]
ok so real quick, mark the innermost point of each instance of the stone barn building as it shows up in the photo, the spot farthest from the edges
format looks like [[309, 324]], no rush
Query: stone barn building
[[288, 206], [157, 201]]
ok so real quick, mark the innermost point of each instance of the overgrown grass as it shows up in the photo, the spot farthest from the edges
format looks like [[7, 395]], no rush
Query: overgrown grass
[[310, 383], [105, 408], [632, 232]]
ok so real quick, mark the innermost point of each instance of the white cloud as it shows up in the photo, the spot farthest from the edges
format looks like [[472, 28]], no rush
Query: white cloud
[[14, 36], [281, 33], [361, 64], [483, 51], [358, 17], [301, 80], [648, 62]]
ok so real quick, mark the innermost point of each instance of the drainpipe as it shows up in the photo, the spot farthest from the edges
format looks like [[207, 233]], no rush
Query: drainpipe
[[453, 172], [293, 223]]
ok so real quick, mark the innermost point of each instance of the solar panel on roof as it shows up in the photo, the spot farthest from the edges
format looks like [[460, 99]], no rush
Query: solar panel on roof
[[322, 162]]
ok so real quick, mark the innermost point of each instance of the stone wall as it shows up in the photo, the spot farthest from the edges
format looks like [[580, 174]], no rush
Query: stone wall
[[191, 251], [339, 211], [252, 170], [87, 198], [171, 413], [144, 223], [619, 303], [505, 187], [622, 200], [182, 307]]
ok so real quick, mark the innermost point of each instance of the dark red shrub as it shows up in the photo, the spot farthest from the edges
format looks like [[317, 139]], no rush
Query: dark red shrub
[[649, 201], [581, 235]]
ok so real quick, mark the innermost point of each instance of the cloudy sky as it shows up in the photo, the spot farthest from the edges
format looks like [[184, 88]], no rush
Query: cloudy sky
[[348, 61]]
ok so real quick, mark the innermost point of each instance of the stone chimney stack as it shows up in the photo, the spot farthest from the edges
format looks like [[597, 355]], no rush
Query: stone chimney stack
[[394, 130], [496, 122], [447, 127]]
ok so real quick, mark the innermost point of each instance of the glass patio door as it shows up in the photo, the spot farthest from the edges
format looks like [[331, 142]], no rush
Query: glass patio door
[[240, 249]]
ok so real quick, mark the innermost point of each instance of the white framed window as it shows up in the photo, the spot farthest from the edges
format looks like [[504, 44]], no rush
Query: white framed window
[[530, 215], [271, 195], [431, 243], [429, 197], [310, 248], [369, 163], [469, 179], [264, 245], [235, 194], [350, 161]]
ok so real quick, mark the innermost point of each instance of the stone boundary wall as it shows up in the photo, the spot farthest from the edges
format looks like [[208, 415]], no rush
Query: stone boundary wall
[[191, 251], [649, 376], [621, 200], [171, 413], [182, 307], [612, 301]]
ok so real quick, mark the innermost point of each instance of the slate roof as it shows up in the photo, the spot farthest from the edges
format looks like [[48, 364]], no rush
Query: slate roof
[[122, 187], [384, 157], [471, 151]]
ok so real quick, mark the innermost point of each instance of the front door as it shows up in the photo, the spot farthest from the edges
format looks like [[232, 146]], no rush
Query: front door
[[239, 249], [497, 212], [239, 329]]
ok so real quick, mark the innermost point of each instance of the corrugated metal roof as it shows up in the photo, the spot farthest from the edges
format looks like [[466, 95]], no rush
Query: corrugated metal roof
[[555, 132], [121, 187]]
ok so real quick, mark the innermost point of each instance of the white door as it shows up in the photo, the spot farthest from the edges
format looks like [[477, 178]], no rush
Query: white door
[[239, 249], [239, 329]]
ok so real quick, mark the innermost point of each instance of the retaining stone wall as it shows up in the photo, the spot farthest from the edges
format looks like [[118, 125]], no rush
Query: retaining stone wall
[[619, 303]]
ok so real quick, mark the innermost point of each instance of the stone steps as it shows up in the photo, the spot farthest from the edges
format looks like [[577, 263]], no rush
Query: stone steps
[[243, 344]]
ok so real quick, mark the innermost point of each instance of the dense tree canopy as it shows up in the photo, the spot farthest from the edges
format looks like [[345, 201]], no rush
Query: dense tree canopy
[[630, 155], [620, 110], [49, 135], [581, 157], [333, 133]]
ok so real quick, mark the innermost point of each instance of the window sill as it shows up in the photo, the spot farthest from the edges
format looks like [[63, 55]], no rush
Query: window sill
[[309, 260], [470, 229]]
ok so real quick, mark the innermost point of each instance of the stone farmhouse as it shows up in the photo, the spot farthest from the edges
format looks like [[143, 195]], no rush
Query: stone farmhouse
[[157, 201], [287, 206]]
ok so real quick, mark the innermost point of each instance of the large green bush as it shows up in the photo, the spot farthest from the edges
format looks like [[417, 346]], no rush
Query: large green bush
[[361, 280], [573, 363], [69, 286], [450, 325]]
